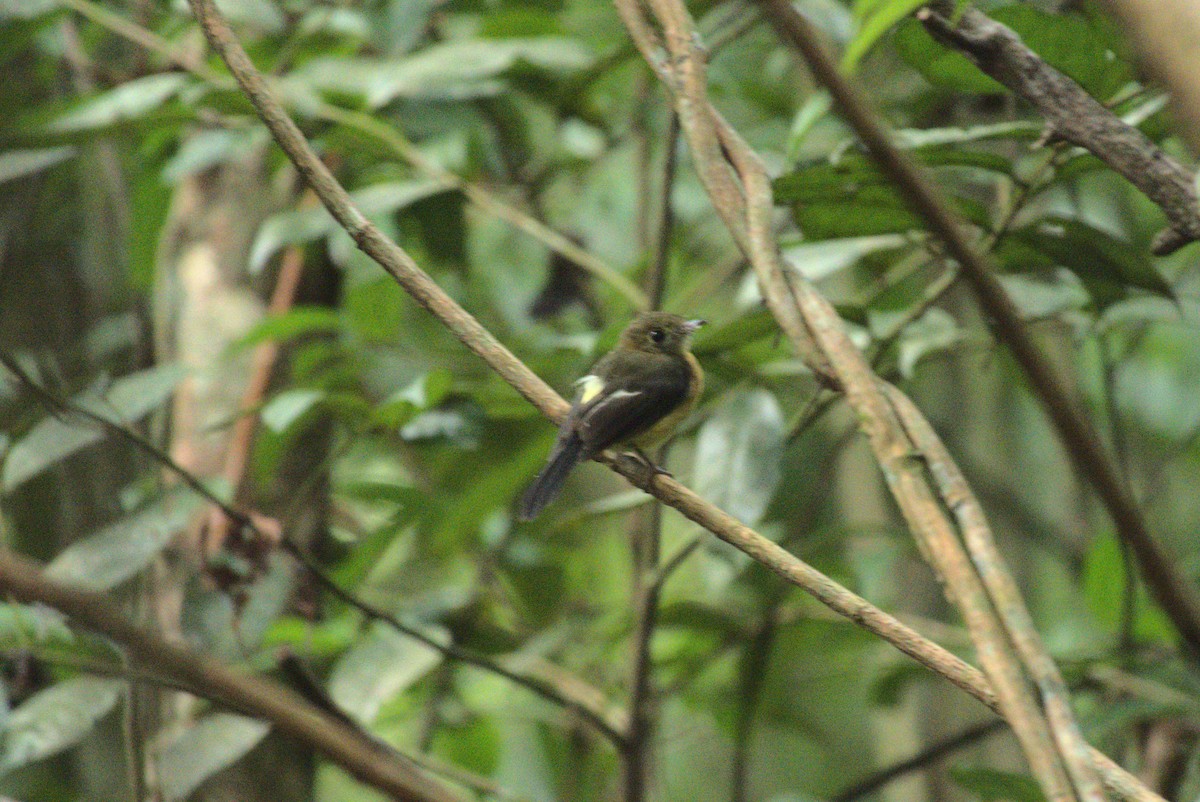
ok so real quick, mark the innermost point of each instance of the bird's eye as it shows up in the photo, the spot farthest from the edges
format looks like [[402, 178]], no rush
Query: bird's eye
[[658, 335]]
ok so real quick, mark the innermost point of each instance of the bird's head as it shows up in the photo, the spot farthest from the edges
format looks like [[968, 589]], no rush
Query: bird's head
[[659, 332]]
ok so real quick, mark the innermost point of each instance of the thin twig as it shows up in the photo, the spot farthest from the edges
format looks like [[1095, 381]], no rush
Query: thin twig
[[241, 439], [921, 760]]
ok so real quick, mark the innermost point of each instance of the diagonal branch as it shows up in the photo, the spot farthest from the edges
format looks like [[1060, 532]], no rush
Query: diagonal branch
[[349, 747], [1073, 115], [401, 266], [1167, 584]]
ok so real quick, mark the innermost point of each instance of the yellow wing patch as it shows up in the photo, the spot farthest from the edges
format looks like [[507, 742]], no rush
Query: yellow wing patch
[[591, 386]]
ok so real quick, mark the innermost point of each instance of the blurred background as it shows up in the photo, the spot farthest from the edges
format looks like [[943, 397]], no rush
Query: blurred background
[[163, 267]]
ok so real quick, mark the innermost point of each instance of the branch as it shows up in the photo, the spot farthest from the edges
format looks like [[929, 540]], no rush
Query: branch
[[400, 265], [1166, 582], [22, 579], [917, 762], [1075, 116]]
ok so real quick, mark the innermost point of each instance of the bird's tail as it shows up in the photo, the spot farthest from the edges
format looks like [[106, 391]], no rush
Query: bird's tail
[[566, 455]]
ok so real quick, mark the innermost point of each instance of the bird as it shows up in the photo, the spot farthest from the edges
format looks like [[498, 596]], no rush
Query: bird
[[635, 396]]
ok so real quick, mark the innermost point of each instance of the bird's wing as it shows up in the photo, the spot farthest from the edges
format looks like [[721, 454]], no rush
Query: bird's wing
[[614, 411]]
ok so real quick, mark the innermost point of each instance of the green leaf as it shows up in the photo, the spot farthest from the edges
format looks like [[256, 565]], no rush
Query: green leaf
[[427, 391], [132, 397], [1105, 582], [46, 444], [405, 24], [941, 66], [207, 149], [454, 70], [215, 742], [1036, 297], [296, 322], [740, 331], [118, 551], [55, 719], [289, 406], [921, 138], [738, 452], [381, 665], [814, 109], [851, 198], [126, 102], [818, 260], [305, 225], [23, 625], [934, 331], [1108, 266], [993, 786], [873, 25], [22, 163], [862, 211]]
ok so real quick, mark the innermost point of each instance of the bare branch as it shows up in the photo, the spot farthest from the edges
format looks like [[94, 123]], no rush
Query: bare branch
[[348, 747], [1071, 114], [917, 762]]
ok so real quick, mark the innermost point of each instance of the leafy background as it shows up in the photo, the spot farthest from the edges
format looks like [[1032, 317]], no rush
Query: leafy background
[[145, 217]]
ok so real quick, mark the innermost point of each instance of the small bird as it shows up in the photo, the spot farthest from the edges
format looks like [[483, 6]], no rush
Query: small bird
[[635, 395]]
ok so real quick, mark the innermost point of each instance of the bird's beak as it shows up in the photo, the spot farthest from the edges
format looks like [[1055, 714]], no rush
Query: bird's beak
[[692, 325]]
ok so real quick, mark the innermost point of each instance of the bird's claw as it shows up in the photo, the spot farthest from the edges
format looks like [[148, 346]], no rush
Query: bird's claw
[[642, 468]]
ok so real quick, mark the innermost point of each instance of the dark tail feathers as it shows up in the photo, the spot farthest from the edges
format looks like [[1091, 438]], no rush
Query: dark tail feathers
[[565, 456]]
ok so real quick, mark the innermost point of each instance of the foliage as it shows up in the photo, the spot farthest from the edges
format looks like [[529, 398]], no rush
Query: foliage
[[413, 453]]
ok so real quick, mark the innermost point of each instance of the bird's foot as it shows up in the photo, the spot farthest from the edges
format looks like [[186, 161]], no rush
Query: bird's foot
[[641, 467], [650, 464]]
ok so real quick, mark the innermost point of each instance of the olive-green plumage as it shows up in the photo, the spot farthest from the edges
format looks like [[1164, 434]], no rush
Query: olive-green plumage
[[635, 395]]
